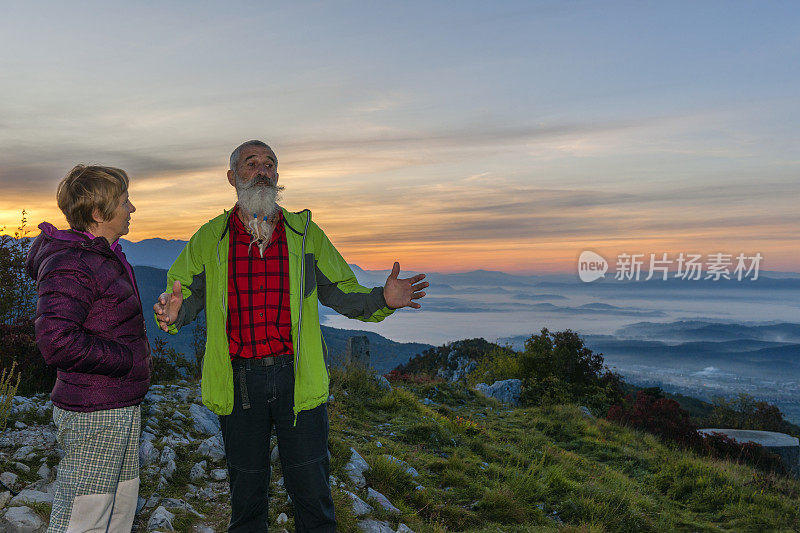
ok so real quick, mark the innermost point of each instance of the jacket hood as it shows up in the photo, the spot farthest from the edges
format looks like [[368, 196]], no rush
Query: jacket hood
[[52, 240]]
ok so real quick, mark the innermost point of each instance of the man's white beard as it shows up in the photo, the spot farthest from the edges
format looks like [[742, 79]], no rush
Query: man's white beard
[[259, 202]]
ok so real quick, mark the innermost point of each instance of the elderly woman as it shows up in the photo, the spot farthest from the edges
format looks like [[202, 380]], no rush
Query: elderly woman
[[89, 325]]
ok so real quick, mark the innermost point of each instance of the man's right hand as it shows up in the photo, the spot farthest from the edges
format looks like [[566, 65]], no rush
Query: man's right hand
[[168, 305]]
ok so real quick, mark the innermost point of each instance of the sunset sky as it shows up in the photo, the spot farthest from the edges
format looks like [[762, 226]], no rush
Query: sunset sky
[[450, 136]]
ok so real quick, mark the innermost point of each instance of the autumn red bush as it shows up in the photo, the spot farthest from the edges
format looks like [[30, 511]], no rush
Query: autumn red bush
[[665, 417]]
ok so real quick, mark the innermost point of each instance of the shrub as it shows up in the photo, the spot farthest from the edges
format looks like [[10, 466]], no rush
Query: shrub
[[559, 368], [755, 455], [17, 290], [166, 363], [744, 412], [8, 388], [357, 379], [18, 344], [666, 418], [663, 417], [499, 364]]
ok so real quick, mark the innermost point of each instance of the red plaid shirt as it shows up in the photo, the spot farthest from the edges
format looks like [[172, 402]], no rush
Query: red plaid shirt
[[259, 319]]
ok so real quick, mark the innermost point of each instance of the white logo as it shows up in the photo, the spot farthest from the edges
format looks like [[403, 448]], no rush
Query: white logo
[[591, 266]]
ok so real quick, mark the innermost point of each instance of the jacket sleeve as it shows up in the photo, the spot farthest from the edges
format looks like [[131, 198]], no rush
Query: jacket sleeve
[[65, 300], [188, 268], [338, 288]]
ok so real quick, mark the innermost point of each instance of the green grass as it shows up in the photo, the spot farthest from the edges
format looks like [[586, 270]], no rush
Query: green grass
[[486, 467]]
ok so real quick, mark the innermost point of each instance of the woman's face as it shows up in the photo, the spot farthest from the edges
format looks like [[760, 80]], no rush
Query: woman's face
[[119, 223]]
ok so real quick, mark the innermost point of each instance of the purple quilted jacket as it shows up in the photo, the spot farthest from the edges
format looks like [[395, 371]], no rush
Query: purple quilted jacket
[[89, 322]]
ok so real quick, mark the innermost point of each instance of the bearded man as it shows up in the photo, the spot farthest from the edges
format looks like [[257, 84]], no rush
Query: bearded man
[[259, 270]]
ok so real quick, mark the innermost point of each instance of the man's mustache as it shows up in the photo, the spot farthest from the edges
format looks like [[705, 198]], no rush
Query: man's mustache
[[260, 179]]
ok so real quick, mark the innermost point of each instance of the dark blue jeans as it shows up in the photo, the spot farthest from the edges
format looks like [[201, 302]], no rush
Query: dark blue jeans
[[303, 452]]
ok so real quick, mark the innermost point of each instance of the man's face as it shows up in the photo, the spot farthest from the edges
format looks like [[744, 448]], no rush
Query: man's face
[[256, 167]]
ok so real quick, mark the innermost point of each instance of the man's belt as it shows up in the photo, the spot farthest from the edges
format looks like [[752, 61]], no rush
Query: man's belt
[[262, 361]]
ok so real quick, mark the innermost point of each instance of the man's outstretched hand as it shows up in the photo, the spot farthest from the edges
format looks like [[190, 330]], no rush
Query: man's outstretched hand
[[168, 305], [402, 292]]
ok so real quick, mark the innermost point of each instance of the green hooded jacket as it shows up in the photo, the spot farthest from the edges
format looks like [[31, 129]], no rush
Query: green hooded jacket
[[317, 272]]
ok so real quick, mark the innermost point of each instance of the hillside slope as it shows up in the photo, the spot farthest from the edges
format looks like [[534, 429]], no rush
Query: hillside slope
[[485, 466], [478, 466]]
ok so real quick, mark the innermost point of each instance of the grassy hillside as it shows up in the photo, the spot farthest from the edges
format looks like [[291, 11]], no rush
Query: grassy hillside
[[485, 466]]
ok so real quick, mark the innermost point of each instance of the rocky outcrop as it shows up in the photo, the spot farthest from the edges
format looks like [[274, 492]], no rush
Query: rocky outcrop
[[507, 390]]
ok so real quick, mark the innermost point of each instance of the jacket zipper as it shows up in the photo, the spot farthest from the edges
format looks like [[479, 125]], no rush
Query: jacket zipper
[[300, 312]]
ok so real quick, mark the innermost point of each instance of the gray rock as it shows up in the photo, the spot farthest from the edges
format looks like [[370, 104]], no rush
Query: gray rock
[[219, 474], [282, 519], [213, 447], [168, 454], [205, 421], [160, 519], [4, 498], [20, 425], [22, 467], [147, 453], [457, 367], [507, 390], [168, 469], [207, 494], [360, 507], [43, 472], [146, 435], [8, 479], [140, 504], [375, 526], [152, 501], [355, 469], [408, 468], [168, 457], [275, 455], [182, 394], [382, 500], [23, 453], [198, 471], [31, 496], [153, 397], [21, 520], [174, 503], [402, 528], [587, 413], [202, 528], [427, 401]]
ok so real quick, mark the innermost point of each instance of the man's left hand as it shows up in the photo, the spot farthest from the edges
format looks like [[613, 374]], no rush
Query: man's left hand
[[402, 292]]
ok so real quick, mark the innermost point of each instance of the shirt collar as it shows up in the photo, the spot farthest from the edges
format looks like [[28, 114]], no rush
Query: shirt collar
[[114, 245]]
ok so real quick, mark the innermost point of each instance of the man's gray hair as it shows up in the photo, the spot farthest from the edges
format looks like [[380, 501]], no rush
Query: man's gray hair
[[236, 153]]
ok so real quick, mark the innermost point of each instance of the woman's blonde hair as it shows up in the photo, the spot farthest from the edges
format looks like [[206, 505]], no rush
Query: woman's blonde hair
[[86, 188]]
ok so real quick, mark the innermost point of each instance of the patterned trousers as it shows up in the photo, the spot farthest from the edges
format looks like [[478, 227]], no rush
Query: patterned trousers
[[98, 478]]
